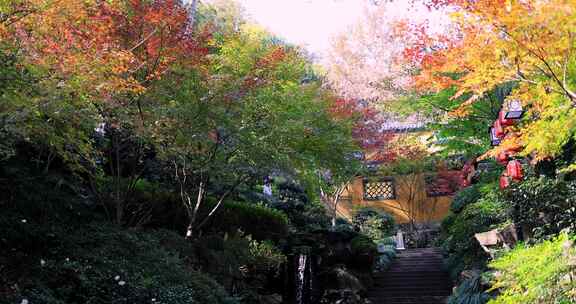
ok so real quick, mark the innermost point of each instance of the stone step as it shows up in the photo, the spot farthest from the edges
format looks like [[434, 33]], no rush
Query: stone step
[[413, 287], [417, 267], [409, 300], [418, 259], [411, 290], [423, 272], [416, 276], [415, 253], [411, 293], [420, 282]]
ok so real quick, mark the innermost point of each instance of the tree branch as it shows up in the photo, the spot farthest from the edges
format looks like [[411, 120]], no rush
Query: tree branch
[[221, 200]]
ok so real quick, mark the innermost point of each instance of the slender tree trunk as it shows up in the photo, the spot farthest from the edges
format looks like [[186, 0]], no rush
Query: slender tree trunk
[[336, 199], [194, 213]]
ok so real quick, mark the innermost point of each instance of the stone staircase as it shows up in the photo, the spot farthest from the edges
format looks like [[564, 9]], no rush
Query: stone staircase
[[415, 277]]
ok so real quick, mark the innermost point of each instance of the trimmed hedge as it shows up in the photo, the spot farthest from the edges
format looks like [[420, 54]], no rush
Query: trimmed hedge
[[259, 221]]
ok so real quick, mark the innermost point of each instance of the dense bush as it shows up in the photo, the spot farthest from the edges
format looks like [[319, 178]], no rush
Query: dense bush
[[244, 266], [304, 215], [364, 252], [458, 230], [470, 291], [375, 224], [536, 274], [387, 251], [543, 206], [464, 198], [388, 241], [383, 262], [99, 263], [363, 245], [259, 221]]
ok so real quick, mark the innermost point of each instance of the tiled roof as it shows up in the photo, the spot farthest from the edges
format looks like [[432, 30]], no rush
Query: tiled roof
[[412, 123]]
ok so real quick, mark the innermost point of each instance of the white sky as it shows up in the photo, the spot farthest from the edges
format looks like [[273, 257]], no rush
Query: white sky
[[312, 23], [306, 22]]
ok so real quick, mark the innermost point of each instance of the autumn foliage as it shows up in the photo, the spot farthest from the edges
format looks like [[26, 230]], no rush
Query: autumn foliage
[[367, 130], [107, 47], [528, 44]]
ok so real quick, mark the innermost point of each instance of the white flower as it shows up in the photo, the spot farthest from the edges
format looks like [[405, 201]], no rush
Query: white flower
[[24, 221], [121, 283], [42, 262], [117, 278], [153, 299], [67, 260], [24, 301]]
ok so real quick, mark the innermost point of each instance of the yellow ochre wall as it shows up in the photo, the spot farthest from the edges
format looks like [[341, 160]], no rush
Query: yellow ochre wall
[[421, 207]]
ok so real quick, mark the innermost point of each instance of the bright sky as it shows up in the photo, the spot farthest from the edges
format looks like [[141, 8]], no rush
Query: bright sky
[[313, 23], [306, 22]]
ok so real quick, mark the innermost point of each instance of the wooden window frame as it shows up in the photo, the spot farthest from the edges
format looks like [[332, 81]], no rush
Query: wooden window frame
[[388, 180]]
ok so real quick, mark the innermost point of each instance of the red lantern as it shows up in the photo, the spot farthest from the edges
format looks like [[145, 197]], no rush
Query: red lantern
[[498, 130], [503, 120], [502, 158], [504, 181], [513, 109], [467, 169], [514, 170], [494, 140]]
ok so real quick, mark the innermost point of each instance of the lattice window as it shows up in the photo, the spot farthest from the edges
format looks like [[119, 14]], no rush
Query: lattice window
[[379, 190]]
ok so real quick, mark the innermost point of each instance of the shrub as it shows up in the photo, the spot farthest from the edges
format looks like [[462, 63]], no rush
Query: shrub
[[458, 229], [266, 257], [364, 251], [535, 274], [362, 244], [241, 264], [391, 253], [259, 221], [100, 263], [470, 291], [464, 198], [383, 262], [304, 214], [388, 241], [544, 206], [374, 223]]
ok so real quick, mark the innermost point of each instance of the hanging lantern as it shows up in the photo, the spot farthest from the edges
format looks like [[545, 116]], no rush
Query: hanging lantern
[[502, 158], [499, 129], [503, 120], [513, 109], [494, 139], [504, 181], [467, 168], [467, 173], [465, 182], [514, 170]]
